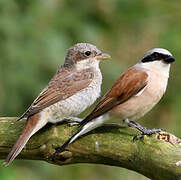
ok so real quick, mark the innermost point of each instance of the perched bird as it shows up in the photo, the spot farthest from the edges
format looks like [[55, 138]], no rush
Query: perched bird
[[135, 93], [75, 86]]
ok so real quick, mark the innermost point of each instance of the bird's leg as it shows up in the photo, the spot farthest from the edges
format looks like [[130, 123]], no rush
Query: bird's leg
[[143, 130], [74, 121]]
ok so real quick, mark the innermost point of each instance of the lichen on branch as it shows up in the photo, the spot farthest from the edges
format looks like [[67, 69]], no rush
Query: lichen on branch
[[153, 156]]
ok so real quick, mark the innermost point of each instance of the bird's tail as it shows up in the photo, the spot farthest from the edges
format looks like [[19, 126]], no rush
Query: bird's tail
[[83, 130], [33, 124], [69, 141]]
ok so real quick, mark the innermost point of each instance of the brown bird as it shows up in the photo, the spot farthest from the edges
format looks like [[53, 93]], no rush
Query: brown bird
[[75, 86], [135, 93]]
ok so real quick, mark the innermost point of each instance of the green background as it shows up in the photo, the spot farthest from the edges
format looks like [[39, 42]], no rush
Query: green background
[[34, 38]]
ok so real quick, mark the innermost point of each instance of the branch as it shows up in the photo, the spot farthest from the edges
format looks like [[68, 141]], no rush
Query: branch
[[154, 156]]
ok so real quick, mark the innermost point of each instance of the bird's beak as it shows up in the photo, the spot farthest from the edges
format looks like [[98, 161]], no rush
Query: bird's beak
[[103, 56], [170, 59]]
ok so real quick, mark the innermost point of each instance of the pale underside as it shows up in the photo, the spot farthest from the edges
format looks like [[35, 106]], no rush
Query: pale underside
[[151, 87]]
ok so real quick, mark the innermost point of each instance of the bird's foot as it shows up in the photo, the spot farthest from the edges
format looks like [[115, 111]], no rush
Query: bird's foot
[[147, 132], [74, 121], [143, 130]]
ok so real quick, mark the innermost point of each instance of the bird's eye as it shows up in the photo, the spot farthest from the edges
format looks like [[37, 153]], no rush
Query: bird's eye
[[87, 53]]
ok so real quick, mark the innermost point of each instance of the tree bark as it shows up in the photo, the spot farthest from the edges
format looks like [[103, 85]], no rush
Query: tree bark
[[153, 156]]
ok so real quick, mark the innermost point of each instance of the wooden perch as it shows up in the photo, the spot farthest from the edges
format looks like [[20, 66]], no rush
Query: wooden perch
[[154, 156]]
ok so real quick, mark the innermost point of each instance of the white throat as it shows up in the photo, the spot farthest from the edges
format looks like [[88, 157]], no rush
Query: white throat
[[88, 63], [156, 66]]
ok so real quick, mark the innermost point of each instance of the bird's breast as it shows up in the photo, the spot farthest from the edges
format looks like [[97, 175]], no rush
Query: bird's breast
[[75, 104]]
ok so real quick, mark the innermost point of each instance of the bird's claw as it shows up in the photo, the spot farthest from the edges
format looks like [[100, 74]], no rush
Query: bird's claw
[[146, 131], [138, 137]]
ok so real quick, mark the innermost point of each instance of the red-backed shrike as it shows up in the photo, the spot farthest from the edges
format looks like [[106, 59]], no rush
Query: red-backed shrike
[[135, 93], [75, 86]]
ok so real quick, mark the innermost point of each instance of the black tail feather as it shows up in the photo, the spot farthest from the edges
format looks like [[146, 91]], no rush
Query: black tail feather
[[62, 148], [21, 117]]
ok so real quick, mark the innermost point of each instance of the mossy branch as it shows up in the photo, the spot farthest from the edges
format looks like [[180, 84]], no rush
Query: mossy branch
[[154, 156]]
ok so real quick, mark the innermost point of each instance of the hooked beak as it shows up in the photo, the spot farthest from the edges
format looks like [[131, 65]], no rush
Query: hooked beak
[[103, 56], [170, 59]]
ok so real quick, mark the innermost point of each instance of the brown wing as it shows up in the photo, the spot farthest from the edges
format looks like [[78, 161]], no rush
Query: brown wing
[[63, 85], [129, 84]]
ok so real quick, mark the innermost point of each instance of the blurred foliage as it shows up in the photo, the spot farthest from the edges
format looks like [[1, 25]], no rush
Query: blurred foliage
[[34, 38]]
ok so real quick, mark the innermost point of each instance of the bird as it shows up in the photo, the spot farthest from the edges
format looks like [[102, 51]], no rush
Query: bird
[[134, 94], [75, 86]]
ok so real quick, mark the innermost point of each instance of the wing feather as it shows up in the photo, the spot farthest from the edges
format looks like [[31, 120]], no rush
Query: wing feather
[[129, 84], [64, 84]]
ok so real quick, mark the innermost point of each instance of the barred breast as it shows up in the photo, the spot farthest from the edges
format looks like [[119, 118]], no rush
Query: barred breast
[[75, 104]]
